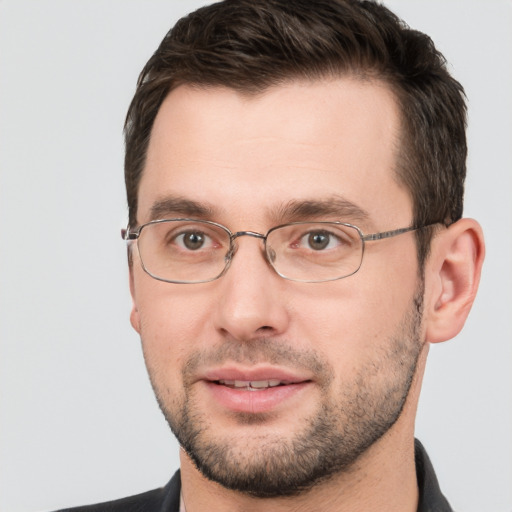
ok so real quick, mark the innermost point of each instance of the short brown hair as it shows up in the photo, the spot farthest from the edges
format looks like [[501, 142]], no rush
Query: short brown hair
[[250, 45]]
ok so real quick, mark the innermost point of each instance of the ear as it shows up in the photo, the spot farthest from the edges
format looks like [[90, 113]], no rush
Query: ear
[[452, 274], [134, 314]]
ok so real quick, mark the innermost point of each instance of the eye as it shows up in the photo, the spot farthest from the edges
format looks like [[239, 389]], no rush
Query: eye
[[193, 240], [319, 240]]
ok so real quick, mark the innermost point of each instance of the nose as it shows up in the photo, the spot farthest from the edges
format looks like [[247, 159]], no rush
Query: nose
[[251, 296]]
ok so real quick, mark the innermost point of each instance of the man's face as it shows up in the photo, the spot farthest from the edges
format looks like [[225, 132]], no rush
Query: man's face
[[343, 352]]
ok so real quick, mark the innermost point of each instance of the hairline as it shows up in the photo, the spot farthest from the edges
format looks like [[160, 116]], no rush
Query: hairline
[[369, 76]]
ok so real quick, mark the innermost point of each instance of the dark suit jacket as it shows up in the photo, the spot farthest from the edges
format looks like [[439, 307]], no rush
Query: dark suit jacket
[[167, 499]]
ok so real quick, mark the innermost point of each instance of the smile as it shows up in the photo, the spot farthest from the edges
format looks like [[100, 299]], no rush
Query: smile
[[257, 394], [253, 385]]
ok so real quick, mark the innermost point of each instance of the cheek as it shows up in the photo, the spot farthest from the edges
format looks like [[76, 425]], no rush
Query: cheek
[[172, 320], [349, 321]]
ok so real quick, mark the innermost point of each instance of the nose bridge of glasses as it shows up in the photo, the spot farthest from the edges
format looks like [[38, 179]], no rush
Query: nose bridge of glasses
[[238, 234]]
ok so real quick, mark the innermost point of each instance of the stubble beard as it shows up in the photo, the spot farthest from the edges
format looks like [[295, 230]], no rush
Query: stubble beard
[[329, 442]]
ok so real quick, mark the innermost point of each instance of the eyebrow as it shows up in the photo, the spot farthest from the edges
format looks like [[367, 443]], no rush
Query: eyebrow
[[334, 206], [295, 210], [172, 206]]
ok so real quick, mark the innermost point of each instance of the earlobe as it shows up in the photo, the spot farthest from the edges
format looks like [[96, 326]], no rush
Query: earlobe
[[135, 318], [452, 275], [134, 313]]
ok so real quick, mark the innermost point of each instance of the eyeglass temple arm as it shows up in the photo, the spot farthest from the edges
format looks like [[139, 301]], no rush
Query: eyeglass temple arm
[[389, 234]]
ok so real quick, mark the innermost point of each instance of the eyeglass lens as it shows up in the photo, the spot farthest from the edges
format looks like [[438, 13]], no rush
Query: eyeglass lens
[[197, 251]]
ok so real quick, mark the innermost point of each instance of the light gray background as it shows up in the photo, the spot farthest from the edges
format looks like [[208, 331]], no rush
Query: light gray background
[[79, 422]]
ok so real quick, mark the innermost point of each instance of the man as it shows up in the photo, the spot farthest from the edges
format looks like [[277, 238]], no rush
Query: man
[[294, 174]]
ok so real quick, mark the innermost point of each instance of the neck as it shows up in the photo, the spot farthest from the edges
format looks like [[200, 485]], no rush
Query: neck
[[382, 479]]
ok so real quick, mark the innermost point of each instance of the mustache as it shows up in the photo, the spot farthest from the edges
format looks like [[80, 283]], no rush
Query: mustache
[[259, 351]]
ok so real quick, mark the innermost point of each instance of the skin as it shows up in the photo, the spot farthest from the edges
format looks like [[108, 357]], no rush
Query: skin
[[244, 159]]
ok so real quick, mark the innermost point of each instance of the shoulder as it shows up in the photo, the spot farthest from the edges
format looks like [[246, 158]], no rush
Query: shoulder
[[164, 499]]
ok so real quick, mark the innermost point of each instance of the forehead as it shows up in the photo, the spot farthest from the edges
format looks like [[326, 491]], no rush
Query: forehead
[[304, 141]]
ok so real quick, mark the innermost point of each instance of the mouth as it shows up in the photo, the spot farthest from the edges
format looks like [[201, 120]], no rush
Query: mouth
[[252, 385], [255, 390]]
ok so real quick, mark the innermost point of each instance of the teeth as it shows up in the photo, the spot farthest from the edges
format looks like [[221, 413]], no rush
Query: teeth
[[261, 384], [253, 384]]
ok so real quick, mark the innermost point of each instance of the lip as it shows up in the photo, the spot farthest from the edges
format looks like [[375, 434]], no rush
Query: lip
[[251, 400], [254, 374]]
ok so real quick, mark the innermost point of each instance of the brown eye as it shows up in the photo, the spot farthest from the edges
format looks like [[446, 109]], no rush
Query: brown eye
[[318, 240], [193, 240]]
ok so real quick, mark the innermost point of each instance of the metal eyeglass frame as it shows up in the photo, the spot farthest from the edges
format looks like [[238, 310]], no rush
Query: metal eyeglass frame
[[132, 236]]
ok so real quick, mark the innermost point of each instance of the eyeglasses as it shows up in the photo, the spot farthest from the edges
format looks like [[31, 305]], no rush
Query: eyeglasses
[[199, 251]]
